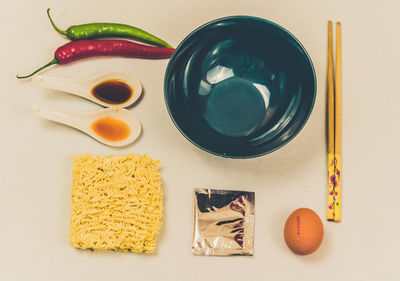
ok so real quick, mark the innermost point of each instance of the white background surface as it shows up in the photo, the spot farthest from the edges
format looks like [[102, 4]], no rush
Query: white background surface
[[36, 154]]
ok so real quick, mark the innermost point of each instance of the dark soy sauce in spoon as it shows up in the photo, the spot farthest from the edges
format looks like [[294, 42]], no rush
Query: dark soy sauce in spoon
[[113, 91]]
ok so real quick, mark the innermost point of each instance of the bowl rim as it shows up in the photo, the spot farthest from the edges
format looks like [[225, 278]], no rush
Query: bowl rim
[[225, 155]]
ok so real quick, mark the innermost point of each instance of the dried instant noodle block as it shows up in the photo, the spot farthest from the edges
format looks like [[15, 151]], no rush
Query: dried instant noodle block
[[116, 203]]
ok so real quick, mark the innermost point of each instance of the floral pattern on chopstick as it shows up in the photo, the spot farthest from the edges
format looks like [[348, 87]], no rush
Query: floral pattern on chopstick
[[334, 179]]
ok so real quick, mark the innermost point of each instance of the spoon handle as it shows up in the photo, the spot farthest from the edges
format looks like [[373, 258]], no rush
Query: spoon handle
[[72, 86], [69, 118]]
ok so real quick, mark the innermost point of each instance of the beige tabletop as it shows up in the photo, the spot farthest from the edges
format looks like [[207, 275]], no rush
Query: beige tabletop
[[36, 154]]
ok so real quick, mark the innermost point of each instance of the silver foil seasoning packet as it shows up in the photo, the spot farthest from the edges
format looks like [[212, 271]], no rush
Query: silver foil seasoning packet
[[223, 222]]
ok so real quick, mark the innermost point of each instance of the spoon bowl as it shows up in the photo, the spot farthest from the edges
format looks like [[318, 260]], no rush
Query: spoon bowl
[[111, 126], [118, 89]]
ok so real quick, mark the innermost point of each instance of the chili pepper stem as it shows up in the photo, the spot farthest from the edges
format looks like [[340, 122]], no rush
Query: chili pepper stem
[[63, 32], [54, 61]]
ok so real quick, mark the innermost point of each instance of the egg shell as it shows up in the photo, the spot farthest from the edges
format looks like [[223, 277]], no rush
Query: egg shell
[[304, 231]]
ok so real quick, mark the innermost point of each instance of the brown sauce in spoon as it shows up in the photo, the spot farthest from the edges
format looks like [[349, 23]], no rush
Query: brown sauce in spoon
[[111, 128], [113, 91]]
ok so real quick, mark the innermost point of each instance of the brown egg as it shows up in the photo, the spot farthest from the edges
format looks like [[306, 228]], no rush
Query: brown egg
[[303, 231]]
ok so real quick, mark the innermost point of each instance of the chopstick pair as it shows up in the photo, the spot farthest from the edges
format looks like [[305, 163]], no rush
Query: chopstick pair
[[334, 125]]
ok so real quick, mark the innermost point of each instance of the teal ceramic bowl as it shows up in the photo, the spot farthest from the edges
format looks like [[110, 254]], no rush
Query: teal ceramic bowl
[[240, 87]]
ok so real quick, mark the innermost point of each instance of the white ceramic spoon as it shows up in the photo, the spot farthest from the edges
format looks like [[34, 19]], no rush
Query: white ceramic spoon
[[84, 121], [84, 87]]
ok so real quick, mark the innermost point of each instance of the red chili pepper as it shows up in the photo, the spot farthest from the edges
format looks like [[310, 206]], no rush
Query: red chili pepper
[[81, 49]]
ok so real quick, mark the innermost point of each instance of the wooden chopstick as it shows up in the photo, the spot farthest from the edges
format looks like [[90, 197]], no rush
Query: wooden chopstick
[[334, 125], [338, 91], [331, 94]]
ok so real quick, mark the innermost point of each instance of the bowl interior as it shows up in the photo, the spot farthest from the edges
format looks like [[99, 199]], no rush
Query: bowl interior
[[240, 87]]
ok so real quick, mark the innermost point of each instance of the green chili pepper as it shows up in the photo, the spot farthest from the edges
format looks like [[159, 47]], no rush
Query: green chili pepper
[[101, 30]]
